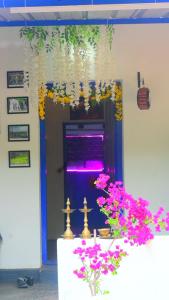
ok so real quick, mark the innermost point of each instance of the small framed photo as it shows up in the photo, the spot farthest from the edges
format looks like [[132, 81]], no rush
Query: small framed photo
[[15, 79], [17, 105], [19, 159], [18, 133]]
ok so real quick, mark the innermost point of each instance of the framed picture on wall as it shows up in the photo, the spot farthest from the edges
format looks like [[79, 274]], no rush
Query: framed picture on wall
[[17, 133], [17, 105], [15, 79], [19, 159]]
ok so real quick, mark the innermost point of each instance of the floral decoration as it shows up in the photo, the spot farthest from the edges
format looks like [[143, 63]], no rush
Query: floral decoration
[[130, 219], [46, 38], [97, 262], [42, 95], [59, 93], [118, 101], [66, 55]]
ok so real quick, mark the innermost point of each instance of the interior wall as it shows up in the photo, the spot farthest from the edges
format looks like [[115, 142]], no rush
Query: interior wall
[[19, 187], [145, 48]]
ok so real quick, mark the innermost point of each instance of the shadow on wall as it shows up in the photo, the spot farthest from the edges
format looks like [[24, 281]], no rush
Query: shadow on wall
[[0, 240]]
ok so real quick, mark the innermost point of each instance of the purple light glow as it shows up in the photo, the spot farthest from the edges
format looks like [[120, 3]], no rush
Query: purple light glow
[[87, 166], [83, 171], [85, 136]]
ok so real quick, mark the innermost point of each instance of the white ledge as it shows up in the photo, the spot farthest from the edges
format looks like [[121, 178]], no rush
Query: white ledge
[[143, 273]]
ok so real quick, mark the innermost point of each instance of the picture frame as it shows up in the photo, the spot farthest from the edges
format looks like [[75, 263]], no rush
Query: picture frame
[[18, 105], [18, 133], [15, 79], [19, 159]]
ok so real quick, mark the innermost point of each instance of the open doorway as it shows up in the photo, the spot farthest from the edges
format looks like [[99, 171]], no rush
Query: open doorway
[[58, 187]]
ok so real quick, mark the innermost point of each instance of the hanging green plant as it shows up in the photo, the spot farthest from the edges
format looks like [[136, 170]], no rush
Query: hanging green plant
[[82, 36], [110, 31]]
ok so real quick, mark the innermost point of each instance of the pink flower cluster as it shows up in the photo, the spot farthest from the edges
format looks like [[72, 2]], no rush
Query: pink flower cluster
[[161, 222], [101, 181], [129, 217], [96, 262]]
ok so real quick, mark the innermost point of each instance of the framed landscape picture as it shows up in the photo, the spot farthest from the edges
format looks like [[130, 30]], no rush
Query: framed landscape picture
[[17, 105], [15, 79], [19, 159], [17, 133]]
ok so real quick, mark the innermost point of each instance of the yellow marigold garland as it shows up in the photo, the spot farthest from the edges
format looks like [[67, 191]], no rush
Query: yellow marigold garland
[[117, 91], [42, 96], [118, 101]]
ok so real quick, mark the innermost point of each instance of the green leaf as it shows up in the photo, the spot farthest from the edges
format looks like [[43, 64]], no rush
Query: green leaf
[[116, 233], [106, 292], [73, 36], [113, 222], [162, 224]]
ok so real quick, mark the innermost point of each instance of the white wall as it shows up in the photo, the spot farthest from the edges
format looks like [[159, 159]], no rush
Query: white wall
[[19, 187], [145, 48]]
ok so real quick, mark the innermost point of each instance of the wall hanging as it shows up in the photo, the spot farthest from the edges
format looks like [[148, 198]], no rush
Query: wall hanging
[[143, 92]]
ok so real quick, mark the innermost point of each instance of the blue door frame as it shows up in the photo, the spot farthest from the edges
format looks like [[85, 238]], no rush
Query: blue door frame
[[43, 185], [118, 159]]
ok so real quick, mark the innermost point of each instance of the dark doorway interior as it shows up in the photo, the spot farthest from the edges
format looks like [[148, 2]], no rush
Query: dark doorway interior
[[56, 116]]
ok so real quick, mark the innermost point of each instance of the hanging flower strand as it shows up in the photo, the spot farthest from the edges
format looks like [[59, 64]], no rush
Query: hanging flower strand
[[42, 95], [71, 54]]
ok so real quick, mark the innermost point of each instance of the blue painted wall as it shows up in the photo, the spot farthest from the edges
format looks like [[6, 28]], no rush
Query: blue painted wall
[[43, 190], [118, 150], [41, 3], [23, 3]]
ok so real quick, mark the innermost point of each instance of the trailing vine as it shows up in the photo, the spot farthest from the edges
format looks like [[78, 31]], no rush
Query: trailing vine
[[110, 31], [71, 65], [74, 36]]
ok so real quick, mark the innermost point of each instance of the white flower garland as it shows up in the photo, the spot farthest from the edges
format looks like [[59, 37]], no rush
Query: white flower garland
[[71, 66]]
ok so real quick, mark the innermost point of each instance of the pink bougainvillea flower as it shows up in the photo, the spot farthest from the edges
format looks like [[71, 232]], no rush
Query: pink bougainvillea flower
[[101, 201], [97, 262], [130, 218], [101, 181]]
